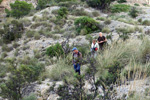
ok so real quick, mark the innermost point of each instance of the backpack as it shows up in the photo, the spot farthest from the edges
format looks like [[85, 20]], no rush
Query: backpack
[[77, 54]]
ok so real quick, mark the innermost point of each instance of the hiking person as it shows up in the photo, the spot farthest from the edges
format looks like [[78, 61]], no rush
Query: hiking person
[[101, 41], [94, 48], [77, 56]]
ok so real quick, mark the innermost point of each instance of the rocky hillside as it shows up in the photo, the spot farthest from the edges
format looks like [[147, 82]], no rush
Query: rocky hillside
[[41, 57]]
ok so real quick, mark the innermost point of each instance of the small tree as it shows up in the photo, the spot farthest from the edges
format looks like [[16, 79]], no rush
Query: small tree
[[19, 9], [12, 31], [99, 4], [42, 4], [86, 23], [134, 12], [62, 13], [55, 50], [12, 88]]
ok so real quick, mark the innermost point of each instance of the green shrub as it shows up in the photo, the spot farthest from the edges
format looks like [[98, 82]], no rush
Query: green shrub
[[12, 31], [134, 12], [60, 70], [79, 12], [6, 48], [19, 9], [55, 50], [83, 50], [146, 22], [1, 1], [136, 4], [106, 30], [32, 96], [117, 8], [101, 18], [95, 13], [121, 1], [37, 36], [30, 33], [140, 20], [107, 21], [62, 13], [31, 72], [90, 38], [86, 23], [100, 4], [26, 22], [63, 0], [15, 45], [20, 77], [42, 4]]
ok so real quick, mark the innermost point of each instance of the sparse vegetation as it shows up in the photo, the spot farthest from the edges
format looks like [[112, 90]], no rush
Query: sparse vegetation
[[117, 8], [106, 30], [12, 31], [146, 22], [26, 61]]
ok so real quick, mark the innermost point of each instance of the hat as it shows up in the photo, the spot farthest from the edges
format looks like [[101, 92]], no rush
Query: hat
[[74, 48]]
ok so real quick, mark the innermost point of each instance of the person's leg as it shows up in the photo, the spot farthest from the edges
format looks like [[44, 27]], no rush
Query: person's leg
[[78, 68], [75, 67]]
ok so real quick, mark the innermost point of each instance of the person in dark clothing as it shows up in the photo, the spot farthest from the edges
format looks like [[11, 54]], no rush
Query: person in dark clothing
[[101, 41]]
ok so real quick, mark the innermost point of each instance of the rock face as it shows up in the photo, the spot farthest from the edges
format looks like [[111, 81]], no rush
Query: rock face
[[139, 1]]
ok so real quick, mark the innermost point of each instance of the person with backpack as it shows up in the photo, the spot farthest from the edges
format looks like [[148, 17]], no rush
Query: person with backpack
[[77, 57], [101, 41], [94, 48]]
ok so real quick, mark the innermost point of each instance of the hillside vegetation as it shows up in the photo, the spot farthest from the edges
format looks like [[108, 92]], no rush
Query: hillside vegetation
[[36, 57]]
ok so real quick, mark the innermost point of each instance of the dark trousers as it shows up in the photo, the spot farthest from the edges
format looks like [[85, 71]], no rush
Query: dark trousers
[[77, 68]]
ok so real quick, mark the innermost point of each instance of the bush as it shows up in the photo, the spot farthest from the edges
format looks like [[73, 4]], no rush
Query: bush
[[121, 1], [86, 23], [117, 8], [140, 20], [62, 13], [106, 30], [107, 21], [19, 9], [37, 36], [42, 4], [100, 4], [101, 18], [12, 31], [20, 77], [146, 22], [79, 12], [31, 72], [26, 22], [6, 48], [134, 12], [30, 33], [59, 71], [1, 1], [55, 50], [136, 4], [32, 96], [95, 13]]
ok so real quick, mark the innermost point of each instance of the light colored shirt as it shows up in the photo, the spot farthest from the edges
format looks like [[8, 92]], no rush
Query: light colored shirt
[[95, 46]]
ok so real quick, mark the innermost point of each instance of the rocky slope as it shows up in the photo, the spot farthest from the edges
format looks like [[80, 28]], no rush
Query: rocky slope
[[43, 42]]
